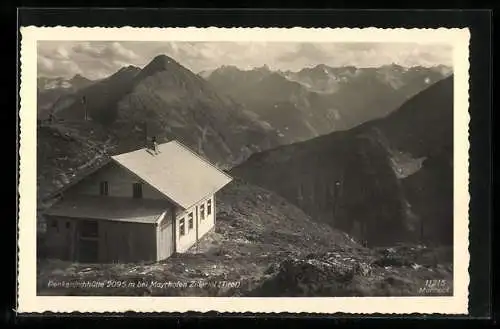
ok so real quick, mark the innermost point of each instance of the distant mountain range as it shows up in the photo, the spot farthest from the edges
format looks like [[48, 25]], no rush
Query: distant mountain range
[[76, 82], [326, 79], [386, 181], [316, 101], [50, 90], [297, 105]]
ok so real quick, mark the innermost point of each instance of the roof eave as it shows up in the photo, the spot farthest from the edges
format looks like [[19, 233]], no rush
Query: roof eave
[[211, 193], [201, 158]]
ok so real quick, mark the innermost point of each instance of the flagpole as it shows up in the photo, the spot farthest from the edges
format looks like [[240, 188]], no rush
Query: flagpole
[[84, 103]]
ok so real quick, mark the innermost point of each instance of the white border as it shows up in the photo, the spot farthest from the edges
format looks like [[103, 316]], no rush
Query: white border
[[29, 302]]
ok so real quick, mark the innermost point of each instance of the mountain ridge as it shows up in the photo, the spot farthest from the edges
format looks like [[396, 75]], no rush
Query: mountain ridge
[[349, 179], [318, 100]]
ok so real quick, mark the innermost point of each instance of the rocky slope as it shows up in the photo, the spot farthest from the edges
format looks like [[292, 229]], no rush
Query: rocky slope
[[262, 246], [322, 99], [65, 152], [379, 181]]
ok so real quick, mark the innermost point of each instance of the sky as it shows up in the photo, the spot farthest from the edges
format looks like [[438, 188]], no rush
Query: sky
[[98, 59]]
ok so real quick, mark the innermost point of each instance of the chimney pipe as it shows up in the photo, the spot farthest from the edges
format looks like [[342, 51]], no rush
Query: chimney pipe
[[155, 145]]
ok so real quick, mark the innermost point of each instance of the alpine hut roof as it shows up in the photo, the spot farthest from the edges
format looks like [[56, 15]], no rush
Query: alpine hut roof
[[177, 172]]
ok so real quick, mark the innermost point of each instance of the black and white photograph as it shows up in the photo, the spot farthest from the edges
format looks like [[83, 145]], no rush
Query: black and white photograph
[[244, 168]]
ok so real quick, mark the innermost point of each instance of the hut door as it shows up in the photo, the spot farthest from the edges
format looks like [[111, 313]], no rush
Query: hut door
[[68, 240], [166, 240], [88, 241]]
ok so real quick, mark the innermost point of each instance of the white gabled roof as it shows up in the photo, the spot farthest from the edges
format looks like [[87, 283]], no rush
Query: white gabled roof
[[177, 172]]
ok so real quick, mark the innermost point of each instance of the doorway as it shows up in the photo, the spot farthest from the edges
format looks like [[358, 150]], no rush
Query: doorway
[[88, 241]]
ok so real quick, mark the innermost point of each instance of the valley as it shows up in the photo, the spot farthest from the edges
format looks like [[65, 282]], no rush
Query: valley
[[354, 179]]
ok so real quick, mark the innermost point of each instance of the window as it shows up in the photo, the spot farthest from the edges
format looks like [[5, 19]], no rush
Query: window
[[181, 227], [88, 229], [202, 211], [103, 188], [190, 222], [137, 190], [209, 207]]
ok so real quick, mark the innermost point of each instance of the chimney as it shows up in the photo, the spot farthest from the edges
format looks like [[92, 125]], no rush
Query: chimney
[[146, 142], [155, 145]]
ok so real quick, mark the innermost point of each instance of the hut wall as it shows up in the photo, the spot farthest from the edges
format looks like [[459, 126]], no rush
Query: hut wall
[[120, 184], [113, 242]]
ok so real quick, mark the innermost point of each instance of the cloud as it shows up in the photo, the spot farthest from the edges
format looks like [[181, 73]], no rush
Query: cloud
[[194, 55], [366, 54], [97, 59], [110, 51], [56, 60], [304, 51], [56, 67], [86, 49], [94, 60]]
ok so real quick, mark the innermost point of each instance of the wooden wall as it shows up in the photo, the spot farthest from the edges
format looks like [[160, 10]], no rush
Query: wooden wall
[[127, 242], [131, 242], [59, 237], [117, 241]]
